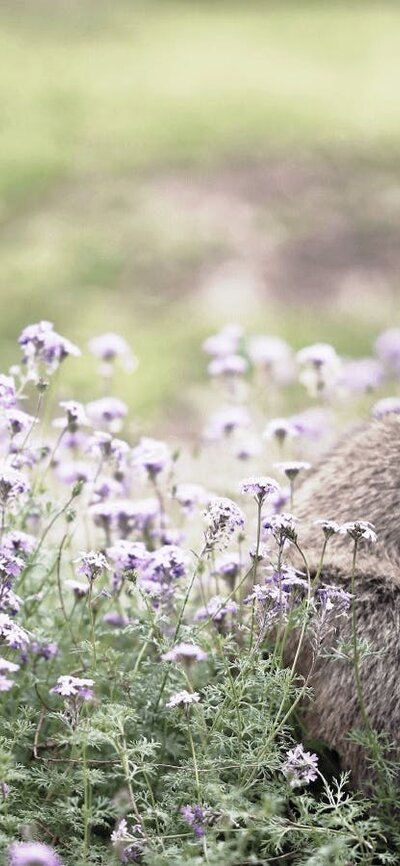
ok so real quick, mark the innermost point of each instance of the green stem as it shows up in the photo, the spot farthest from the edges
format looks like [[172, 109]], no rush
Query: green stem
[[356, 653]]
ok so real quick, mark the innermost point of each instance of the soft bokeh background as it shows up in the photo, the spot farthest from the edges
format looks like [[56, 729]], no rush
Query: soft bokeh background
[[166, 167]]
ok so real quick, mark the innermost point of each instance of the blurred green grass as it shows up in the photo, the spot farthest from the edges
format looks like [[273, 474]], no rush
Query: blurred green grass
[[105, 93]]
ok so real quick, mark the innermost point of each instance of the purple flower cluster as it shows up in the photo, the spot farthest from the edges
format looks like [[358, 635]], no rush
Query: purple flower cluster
[[42, 347], [32, 854], [300, 767], [223, 517]]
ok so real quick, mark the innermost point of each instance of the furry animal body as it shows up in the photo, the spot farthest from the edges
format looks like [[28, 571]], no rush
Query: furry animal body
[[359, 480]]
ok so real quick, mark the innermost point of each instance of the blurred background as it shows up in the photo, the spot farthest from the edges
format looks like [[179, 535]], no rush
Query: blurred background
[[168, 167]]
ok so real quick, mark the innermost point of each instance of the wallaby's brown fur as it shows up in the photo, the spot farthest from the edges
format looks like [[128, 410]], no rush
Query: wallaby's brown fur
[[359, 480]]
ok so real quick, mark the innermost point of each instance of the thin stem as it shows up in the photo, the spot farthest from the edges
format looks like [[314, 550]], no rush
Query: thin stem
[[356, 653], [193, 751]]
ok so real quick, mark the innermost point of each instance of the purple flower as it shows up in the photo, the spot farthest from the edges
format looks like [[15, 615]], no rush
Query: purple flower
[[291, 468], [270, 353], [108, 411], [223, 517], [152, 455], [259, 487], [228, 566], [74, 688], [386, 406], [92, 564], [190, 495], [128, 555], [32, 854], [79, 589], [282, 526], [361, 375], [186, 653], [10, 565], [6, 665], [229, 365], [5, 683], [42, 345], [13, 635], [115, 619], [387, 347], [18, 421], [183, 699], [161, 571], [12, 485], [9, 602], [44, 649], [126, 514], [195, 817], [280, 429], [7, 392], [329, 527], [359, 529], [300, 766], [75, 416], [333, 600], [71, 471], [19, 542], [224, 343], [224, 422]]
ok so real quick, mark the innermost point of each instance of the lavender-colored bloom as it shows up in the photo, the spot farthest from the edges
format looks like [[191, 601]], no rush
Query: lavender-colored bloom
[[186, 653], [190, 495], [161, 571], [5, 683], [109, 347], [71, 471], [8, 396], [10, 565], [223, 517], [105, 488], [32, 854], [195, 817], [282, 526], [74, 687], [280, 429], [9, 601], [361, 375], [359, 529], [259, 487], [42, 345], [108, 411], [329, 527], [183, 699], [300, 766], [226, 342], [247, 448], [291, 468], [312, 423], [75, 416], [18, 421], [270, 353], [115, 619], [216, 609], [21, 543], [320, 368], [92, 564], [229, 365], [13, 635], [333, 600], [128, 555], [152, 455], [224, 422], [126, 515], [79, 589], [318, 355], [386, 406], [228, 565], [12, 485], [387, 347], [9, 667], [46, 650]]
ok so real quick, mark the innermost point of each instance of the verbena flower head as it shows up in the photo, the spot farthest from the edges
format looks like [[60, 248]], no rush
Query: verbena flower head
[[223, 517], [12, 485], [92, 564], [300, 766], [195, 817], [320, 368], [183, 699], [18, 421], [359, 529], [8, 396], [361, 375], [186, 653], [32, 854], [41, 345], [190, 495], [108, 412], [387, 347], [10, 565], [228, 365], [386, 406], [225, 421], [333, 600], [74, 687], [75, 416], [79, 589], [21, 543], [110, 347], [329, 527], [260, 487], [280, 429], [226, 342], [11, 633], [152, 455], [282, 526], [5, 683], [228, 565], [271, 354], [127, 555], [291, 468]]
